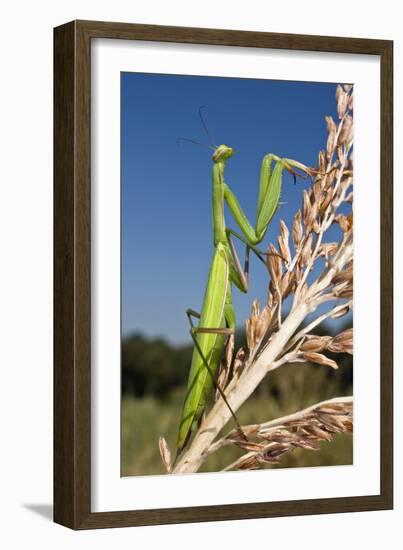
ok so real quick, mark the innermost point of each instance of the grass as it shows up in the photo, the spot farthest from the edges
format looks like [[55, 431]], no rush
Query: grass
[[295, 387]]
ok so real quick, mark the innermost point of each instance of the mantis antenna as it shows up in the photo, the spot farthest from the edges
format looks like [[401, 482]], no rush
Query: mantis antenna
[[205, 126], [211, 146], [179, 139]]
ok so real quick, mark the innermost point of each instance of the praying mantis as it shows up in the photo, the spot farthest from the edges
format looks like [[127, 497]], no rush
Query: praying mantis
[[217, 318]]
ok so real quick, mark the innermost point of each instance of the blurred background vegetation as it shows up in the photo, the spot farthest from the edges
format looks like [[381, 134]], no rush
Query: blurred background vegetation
[[154, 376]]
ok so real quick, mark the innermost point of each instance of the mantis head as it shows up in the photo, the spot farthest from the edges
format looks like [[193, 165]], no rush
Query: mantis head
[[222, 152]]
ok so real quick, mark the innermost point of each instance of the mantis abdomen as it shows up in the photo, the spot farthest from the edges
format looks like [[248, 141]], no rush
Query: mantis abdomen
[[210, 344]]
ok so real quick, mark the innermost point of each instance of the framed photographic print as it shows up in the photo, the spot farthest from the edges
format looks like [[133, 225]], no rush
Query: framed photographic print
[[206, 319]]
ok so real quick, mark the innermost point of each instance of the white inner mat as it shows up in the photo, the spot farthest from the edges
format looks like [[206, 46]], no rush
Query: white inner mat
[[110, 491]]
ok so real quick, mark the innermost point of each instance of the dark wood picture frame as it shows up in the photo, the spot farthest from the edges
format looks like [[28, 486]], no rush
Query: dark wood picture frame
[[72, 291]]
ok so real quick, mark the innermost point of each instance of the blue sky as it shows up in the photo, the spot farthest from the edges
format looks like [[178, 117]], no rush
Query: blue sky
[[166, 189]]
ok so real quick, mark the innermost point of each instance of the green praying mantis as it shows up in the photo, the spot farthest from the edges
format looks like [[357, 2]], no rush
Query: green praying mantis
[[217, 318]]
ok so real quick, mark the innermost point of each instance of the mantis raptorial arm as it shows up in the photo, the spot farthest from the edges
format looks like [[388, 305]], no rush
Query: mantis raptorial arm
[[269, 196]]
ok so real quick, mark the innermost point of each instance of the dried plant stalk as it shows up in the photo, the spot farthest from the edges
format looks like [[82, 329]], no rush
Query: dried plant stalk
[[304, 429]]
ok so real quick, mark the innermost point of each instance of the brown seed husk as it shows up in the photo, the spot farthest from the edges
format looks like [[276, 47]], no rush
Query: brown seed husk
[[343, 342], [297, 229], [331, 140], [239, 362], [274, 264], [248, 463], [165, 454], [346, 132], [315, 343], [320, 359]]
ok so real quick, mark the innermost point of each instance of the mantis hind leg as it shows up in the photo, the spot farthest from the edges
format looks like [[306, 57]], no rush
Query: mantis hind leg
[[229, 314], [203, 330]]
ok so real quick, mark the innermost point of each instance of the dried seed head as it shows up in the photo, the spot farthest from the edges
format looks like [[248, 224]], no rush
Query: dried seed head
[[306, 251], [348, 424], [320, 359], [283, 241], [344, 276], [239, 362], [329, 178], [331, 423], [340, 153], [304, 431], [222, 378], [298, 273], [327, 249], [248, 445], [306, 206], [297, 229], [279, 436], [257, 324], [322, 162], [315, 343], [346, 292], [250, 340], [311, 217], [340, 312], [346, 132], [327, 197], [284, 232], [342, 101], [339, 91], [165, 454], [351, 102], [286, 284], [331, 125], [331, 140], [318, 432], [317, 191], [343, 342], [225, 365], [229, 349], [270, 297], [345, 222], [267, 315], [274, 451], [334, 408], [284, 249], [260, 329], [274, 264], [309, 444], [248, 463]]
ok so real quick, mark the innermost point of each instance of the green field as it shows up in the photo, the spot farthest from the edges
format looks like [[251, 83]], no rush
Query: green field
[[287, 390]]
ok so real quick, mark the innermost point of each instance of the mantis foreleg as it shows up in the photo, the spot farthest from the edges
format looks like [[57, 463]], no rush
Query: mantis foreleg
[[269, 196]]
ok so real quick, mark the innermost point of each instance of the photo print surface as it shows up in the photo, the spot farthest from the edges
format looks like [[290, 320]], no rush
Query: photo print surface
[[236, 274]]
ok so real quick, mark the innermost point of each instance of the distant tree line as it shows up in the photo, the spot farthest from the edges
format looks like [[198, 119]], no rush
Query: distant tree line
[[154, 367]]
